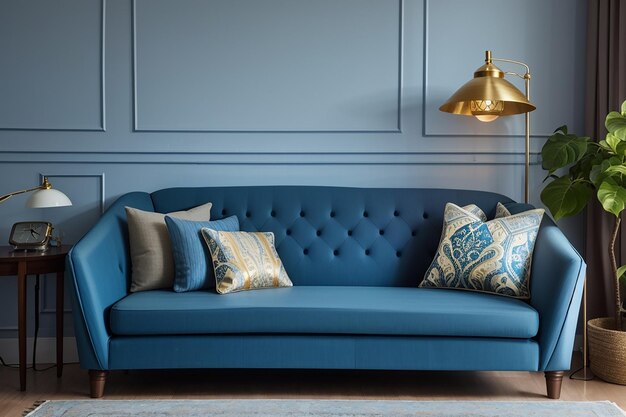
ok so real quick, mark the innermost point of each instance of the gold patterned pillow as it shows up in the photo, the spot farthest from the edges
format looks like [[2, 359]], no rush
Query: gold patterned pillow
[[245, 261]]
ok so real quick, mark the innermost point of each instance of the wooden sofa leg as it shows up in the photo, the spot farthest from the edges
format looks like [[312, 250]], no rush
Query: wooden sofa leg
[[97, 380], [554, 380]]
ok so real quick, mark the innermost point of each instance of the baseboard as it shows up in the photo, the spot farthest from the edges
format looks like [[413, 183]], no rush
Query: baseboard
[[46, 350]]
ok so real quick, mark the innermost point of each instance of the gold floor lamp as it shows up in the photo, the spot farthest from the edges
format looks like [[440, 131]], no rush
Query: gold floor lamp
[[488, 96]]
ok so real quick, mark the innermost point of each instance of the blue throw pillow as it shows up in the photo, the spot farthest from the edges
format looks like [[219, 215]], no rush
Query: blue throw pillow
[[192, 260]]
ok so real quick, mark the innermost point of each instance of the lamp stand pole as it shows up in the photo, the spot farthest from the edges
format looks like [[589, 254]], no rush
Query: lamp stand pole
[[526, 78], [527, 144]]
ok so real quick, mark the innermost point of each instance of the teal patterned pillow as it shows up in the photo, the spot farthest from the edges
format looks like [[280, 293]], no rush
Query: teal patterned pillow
[[492, 256]]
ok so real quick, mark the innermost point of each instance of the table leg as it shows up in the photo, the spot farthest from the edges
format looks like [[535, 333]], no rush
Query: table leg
[[21, 321], [60, 289]]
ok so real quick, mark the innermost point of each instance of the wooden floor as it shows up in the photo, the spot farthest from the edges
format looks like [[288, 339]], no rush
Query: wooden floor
[[218, 384]]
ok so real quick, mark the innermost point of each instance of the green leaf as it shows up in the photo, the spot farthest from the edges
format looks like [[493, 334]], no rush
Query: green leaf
[[606, 168], [561, 150], [595, 174], [615, 169], [561, 129], [614, 121], [620, 133], [565, 197], [582, 169], [624, 108], [616, 124], [604, 145], [612, 141], [620, 273], [612, 196], [616, 144]]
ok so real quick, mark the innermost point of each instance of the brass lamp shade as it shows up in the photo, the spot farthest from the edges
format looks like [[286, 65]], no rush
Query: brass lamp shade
[[488, 85], [487, 88]]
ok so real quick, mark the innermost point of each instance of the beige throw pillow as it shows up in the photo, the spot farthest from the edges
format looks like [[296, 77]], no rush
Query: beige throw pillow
[[150, 246]]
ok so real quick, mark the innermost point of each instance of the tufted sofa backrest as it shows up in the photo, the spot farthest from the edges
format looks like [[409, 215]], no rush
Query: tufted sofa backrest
[[338, 236]]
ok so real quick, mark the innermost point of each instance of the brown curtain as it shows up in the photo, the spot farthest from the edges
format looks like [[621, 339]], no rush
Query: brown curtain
[[605, 91]]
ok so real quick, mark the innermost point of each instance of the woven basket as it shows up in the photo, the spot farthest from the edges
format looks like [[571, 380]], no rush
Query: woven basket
[[607, 350]]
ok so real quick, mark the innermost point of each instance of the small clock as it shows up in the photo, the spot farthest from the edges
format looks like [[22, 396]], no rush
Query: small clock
[[31, 235]]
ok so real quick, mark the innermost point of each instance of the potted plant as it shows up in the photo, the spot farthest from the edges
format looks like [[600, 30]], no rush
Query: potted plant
[[579, 169]]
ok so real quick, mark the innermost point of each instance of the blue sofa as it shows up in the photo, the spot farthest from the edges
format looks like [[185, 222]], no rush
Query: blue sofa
[[356, 257]]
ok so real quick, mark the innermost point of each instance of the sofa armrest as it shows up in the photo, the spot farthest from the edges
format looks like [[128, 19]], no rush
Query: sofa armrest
[[98, 268], [556, 286]]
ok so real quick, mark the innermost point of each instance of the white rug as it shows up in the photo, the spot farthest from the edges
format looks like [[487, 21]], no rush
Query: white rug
[[323, 408]]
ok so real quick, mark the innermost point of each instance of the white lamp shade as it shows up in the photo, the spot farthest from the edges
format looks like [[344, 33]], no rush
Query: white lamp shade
[[47, 198]]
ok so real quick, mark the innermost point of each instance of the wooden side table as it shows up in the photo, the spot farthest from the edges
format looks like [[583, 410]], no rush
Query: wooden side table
[[22, 264]]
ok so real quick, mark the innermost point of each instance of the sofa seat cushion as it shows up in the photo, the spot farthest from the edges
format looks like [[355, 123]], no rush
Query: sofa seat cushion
[[323, 310]]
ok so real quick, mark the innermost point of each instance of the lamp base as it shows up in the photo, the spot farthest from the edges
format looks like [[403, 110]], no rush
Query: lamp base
[[582, 374]]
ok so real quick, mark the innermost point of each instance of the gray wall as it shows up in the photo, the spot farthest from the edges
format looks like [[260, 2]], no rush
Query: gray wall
[[107, 97]]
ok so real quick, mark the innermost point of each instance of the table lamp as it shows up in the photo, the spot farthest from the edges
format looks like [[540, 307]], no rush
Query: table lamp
[[36, 235], [44, 196], [488, 96]]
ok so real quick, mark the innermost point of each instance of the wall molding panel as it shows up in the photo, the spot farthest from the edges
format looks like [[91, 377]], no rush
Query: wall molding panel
[[102, 116], [488, 131], [274, 158], [139, 127]]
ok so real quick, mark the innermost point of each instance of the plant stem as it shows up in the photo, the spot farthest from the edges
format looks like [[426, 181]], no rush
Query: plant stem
[[616, 287]]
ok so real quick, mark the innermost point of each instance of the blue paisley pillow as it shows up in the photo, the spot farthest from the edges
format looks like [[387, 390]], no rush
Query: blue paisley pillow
[[492, 256]]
